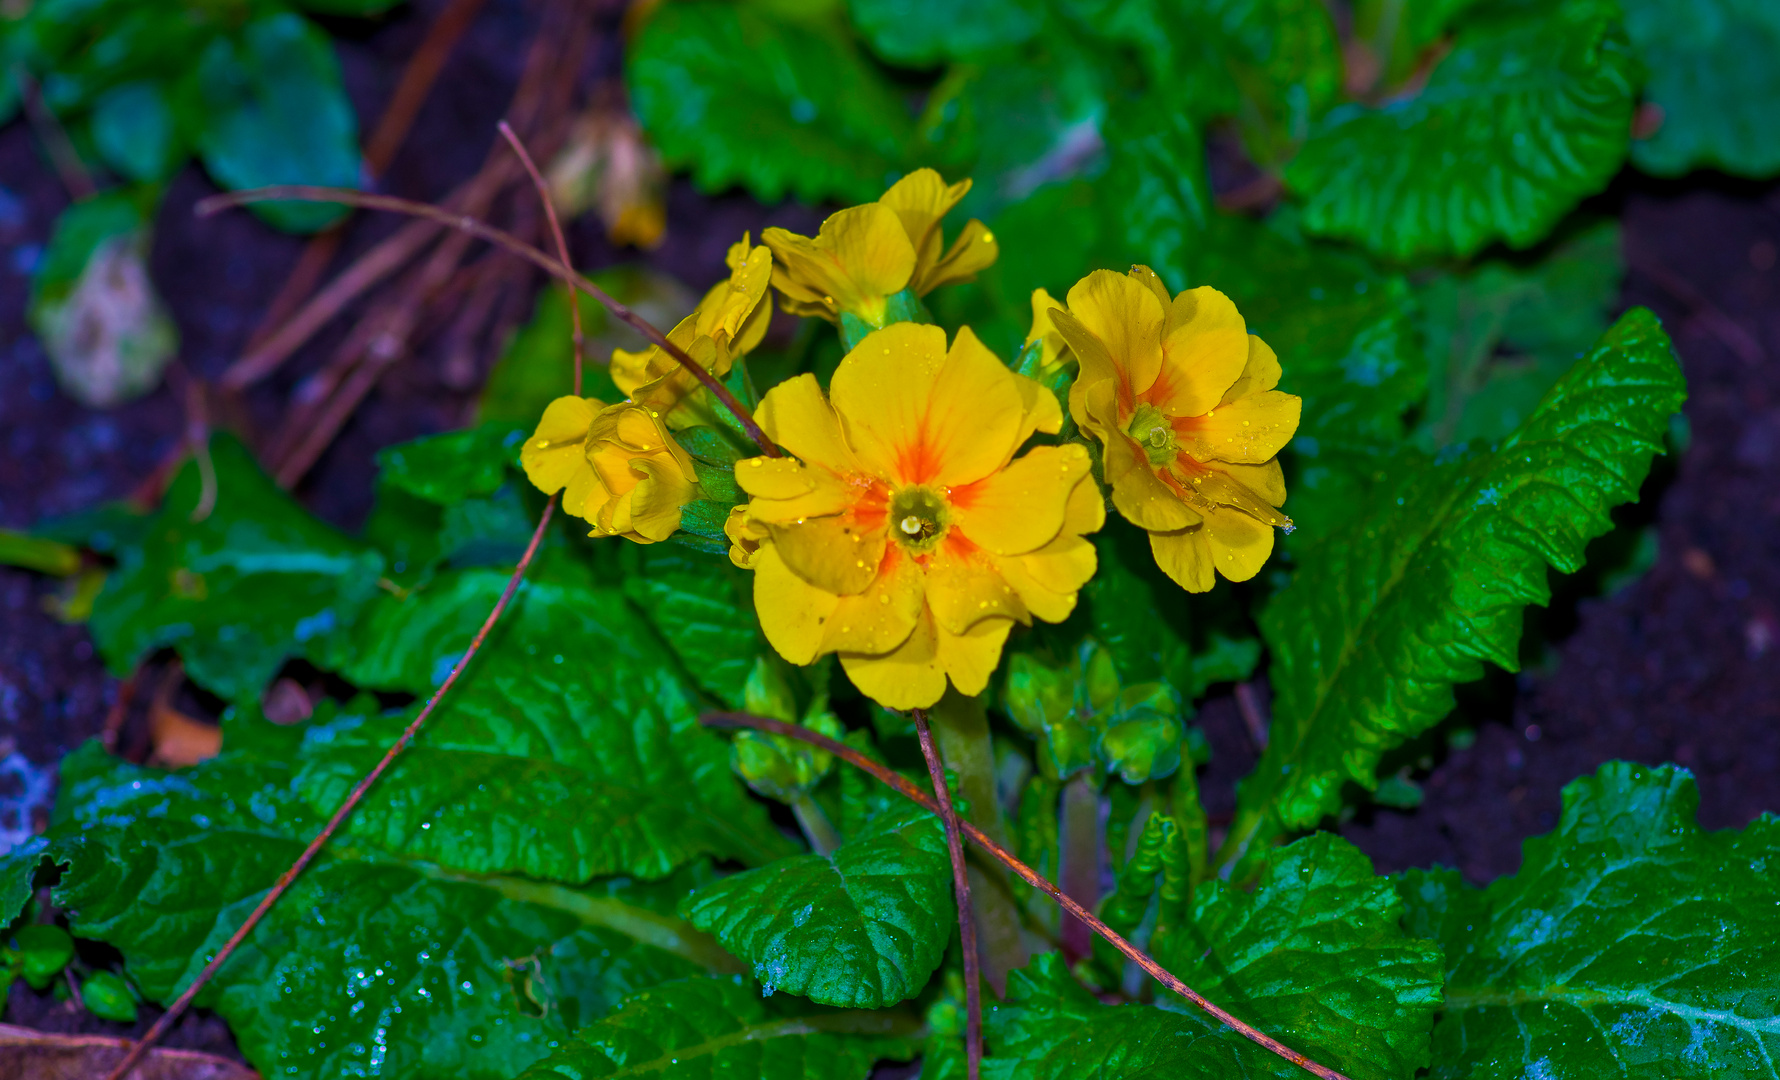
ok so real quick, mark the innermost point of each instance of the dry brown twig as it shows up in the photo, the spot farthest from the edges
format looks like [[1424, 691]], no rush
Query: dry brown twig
[[1027, 874], [513, 244]]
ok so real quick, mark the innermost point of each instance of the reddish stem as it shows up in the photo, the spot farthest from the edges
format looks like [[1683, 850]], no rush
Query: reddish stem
[[285, 880], [967, 923], [483, 231], [1030, 876]]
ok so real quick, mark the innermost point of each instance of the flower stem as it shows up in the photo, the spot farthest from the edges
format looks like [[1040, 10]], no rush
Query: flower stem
[[817, 829], [967, 926], [1032, 877]]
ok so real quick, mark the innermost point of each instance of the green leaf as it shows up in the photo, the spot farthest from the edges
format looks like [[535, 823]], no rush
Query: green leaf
[[1156, 188], [1528, 113], [922, 33], [1050, 1027], [371, 964], [570, 748], [695, 1029], [1501, 333], [1712, 74], [108, 997], [704, 606], [861, 928], [455, 466], [35, 553], [44, 950], [135, 132], [238, 592], [1428, 581], [777, 106], [1316, 955], [1631, 943], [274, 112]]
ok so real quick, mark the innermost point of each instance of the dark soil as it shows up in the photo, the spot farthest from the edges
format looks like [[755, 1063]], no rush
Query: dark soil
[[1675, 667]]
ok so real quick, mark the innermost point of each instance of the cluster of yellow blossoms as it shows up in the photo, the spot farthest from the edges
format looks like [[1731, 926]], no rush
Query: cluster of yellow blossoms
[[905, 531]]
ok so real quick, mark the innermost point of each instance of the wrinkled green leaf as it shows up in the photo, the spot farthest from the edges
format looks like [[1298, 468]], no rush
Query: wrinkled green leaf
[[370, 964], [704, 606], [238, 592], [274, 112], [863, 927], [1528, 113], [920, 33], [1050, 1027], [1156, 188], [1317, 956], [1631, 943], [570, 748], [695, 1029], [1424, 585], [777, 106], [1712, 73]]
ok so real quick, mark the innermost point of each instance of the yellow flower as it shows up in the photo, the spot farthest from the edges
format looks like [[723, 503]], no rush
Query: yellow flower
[[729, 322], [1045, 352], [906, 537], [1182, 398], [864, 255], [616, 465]]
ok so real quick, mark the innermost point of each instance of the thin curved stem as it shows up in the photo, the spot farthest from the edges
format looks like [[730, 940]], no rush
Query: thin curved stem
[[562, 245], [507, 241], [285, 880], [967, 923], [1030, 876]]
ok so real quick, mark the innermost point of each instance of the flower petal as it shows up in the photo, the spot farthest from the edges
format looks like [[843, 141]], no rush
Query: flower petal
[[793, 613], [656, 501], [970, 658], [882, 617], [965, 587], [838, 553], [553, 455], [920, 200], [1125, 316], [1239, 544], [1021, 508], [1185, 555], [974, 250], [860, 256], [1204, 349], [797, 416], [1248, 430], [786, 490], [1261, 372], [916, 414], [906, 677]]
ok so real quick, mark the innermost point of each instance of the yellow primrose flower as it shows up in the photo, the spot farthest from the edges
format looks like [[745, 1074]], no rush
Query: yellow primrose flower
[[1182, 397], [1052, 352], [864, 255], [616, 465], [905, 537], [729, 322]]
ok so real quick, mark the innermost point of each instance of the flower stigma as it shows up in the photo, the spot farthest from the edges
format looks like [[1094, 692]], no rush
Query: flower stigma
[[921, 516]]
